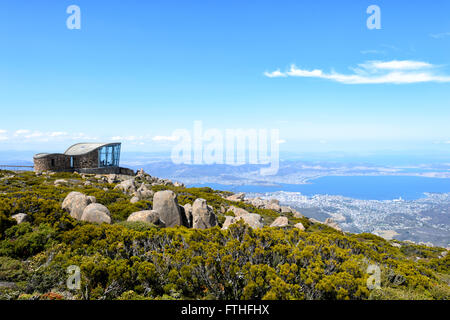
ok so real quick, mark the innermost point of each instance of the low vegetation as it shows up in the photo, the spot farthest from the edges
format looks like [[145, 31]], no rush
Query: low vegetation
[[136, 260]]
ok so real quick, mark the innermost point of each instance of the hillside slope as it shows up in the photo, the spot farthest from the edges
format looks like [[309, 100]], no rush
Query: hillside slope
[[139, 260]]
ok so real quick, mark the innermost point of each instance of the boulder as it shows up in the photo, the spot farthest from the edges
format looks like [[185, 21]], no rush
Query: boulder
[[134, 199], [61, 182], [236, 197], [254, 220], [178, 184], [299, 226], [239, 211], [203, 216], [150, 216], [112, 178], [140, 173], [75, 203], [257, 202], [273, 206], [144, 192], [96, 213], [286, 209], [297, 214], [331, 223], [314, 220], [128, 186], [21, 217], [229, 220], [280, 222], [165, 202]]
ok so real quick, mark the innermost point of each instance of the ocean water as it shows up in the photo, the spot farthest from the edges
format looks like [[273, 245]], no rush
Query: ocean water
[[358, 187]]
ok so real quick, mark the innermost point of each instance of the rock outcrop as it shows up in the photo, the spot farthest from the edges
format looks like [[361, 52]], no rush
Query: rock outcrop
[[238, 211], [254, 220], [203, 216], [21, 218], [166, 204], [299, 226], [236, 197], [150, 216], [96, 213], [128, 186], [280, 222], [331, 223], [75, 203]]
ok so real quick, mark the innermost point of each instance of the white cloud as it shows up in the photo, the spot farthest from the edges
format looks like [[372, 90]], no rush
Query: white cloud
[[3, 136], [440, 35], [57, 134], [165, 138], [396, 65], [374, 72], [372, 51], [274, 74], [35, 134], [280, 141], [21, 132]]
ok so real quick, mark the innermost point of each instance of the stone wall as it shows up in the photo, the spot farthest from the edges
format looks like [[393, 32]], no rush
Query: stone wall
[[89, 160], [52, 162]]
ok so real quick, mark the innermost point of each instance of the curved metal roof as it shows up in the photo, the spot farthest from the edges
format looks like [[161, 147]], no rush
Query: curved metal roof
[[83, 148]]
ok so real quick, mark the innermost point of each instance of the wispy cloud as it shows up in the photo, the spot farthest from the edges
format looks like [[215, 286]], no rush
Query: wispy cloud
[[165, 138], [3, 136], [373, 72], [440, 35], [370, 51]]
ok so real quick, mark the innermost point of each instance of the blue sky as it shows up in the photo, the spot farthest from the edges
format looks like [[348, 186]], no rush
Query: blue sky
[[138, 70]]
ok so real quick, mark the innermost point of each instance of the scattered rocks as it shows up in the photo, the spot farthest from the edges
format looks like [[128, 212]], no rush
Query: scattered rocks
[[297, 214], [134, 199], [61, 182], [75, 203], [286, 209], [144, 193], [203, 216], [178, 184], [166, 203], [128, 186], [112, 178], [229, 220], [21, 217], [331, 223], [238, 211], [236, 197], [254, 220], [257, 202], [299, 226], [96, 213], [273, 206], [280, 222], [150, 216]]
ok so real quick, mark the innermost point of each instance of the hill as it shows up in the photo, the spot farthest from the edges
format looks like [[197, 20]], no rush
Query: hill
[[235, 258]]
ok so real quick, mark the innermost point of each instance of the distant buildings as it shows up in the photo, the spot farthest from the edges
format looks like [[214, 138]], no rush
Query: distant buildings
[[83, 158]]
